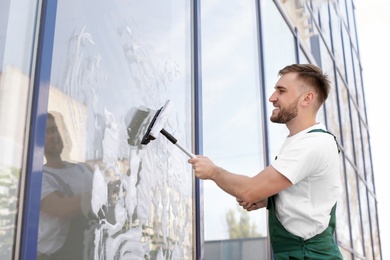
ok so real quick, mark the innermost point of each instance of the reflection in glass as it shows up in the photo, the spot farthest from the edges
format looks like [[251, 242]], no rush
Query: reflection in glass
[[66, 220], [114, 65]]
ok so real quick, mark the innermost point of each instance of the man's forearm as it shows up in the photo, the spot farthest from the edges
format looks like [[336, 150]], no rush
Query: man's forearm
[[235, 184]]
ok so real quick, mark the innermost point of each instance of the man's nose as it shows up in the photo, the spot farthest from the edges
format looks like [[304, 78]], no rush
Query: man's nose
[[272, 98]]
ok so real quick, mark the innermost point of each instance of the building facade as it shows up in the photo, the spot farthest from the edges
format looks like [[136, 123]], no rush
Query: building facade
[[103, 69]]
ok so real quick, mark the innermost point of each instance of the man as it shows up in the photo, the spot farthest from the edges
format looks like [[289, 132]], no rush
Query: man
[[300, 188], [65, 203]]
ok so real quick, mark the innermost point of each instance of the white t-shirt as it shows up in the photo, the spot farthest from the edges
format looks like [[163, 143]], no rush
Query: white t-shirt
[[53, 230], [311, 162]]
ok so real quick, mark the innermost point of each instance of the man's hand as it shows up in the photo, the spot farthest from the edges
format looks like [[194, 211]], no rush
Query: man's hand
[[203, 167], [252, 206]]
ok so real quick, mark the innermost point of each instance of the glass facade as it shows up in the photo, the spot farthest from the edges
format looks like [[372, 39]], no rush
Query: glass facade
[[81, 81], [111, 69]]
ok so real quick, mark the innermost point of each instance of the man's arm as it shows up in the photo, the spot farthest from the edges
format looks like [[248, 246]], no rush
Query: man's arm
[[252, 206], [59, 205], [246, 189]]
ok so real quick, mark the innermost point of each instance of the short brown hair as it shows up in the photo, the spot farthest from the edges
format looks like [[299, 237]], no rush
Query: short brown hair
[[311, 75]]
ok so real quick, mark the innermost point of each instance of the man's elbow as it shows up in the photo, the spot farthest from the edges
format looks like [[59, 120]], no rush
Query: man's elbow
[[253, 197]]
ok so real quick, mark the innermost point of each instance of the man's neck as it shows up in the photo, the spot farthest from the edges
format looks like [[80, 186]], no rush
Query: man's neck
[[55, 162], [296, 126]]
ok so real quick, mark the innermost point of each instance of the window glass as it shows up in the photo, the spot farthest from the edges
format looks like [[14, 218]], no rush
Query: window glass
[[300, 15], [114, 65], [357, 139], [331, 104], [342, 225], [349, 64], [346, 127], [302, 57], [17, 23], [356, 224], [232, 128], [336, 36], [365, 219], [347, 255], [343, 12], [323, 11], [375, 227], [359, 87], [352, 25], [332, 115], [367, 159], [279, 51]]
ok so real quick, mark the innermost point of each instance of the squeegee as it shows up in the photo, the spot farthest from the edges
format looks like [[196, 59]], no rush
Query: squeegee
[[156, 126]]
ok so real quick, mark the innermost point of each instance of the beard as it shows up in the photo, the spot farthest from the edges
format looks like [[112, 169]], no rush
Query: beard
[[285, 114], [54, 149]]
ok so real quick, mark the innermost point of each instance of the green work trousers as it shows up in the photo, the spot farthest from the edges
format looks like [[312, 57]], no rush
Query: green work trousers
[[288, 246]]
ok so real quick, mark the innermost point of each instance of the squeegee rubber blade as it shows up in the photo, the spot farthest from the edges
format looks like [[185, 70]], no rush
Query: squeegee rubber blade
[[148, 137]]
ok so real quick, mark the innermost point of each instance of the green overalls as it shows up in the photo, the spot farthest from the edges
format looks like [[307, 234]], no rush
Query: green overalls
[[289, 246]]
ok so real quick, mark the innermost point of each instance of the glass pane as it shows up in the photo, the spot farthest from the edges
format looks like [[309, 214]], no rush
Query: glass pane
[[352, 26], [356, 224], [357, 140], [302, 57], [331, 103], [345, 118], [369, 177], [279, 51], [350, 78], [359, 87], [114, 65], [375, 227], [232, 133], [347, 255], [300, 15], [17, 23], [336, 37], [343, 11], [323, 10], [365, 219], [342, 212]]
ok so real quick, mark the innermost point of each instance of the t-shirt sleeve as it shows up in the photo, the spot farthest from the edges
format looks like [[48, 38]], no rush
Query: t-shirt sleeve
[[301, 158]]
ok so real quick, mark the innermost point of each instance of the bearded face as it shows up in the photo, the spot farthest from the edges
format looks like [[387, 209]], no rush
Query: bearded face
[[282, 114], [53, 143]]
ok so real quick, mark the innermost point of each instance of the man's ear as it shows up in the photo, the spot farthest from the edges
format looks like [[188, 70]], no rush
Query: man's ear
[[308, 98]]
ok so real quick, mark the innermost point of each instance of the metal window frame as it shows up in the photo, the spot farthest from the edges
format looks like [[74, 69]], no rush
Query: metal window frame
[[28, 211]]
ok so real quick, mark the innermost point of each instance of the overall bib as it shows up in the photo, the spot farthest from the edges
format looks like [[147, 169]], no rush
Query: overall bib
[[288, 246]]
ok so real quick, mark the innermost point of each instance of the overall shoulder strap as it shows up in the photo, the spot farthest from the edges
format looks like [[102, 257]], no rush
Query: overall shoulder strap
[[326, 132], [67, 190]]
